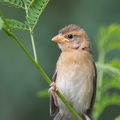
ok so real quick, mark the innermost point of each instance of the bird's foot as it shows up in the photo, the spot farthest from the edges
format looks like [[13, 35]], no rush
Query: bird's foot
[[52, 90], [52, 87], [86, 117]]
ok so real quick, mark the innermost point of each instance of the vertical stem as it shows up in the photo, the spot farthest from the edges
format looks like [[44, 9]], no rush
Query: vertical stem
[[32, 38], [33, 46], [101, 60]]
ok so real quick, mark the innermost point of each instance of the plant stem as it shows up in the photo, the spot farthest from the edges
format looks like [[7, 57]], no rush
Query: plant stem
[[101, 60], [5, 21], [33, 46], [29, 56], [32, 38]]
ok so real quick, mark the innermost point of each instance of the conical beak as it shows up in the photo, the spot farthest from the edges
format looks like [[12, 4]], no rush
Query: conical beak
[[59, 39]]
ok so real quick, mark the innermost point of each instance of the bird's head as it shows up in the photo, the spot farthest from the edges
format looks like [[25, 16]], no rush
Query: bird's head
[[72, 37]]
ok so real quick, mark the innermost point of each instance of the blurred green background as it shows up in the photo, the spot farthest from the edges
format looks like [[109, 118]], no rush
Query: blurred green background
[[19, 79]]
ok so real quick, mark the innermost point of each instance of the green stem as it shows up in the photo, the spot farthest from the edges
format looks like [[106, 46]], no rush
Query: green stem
[[31, 35], [29, 56], [5, 21], [42, 73], [33, 46], [100, 75]]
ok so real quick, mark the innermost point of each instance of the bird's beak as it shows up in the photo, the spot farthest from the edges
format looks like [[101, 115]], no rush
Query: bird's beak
[[59, 39]]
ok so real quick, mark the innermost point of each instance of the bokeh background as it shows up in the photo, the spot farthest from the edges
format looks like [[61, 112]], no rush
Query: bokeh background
[[19, 79]]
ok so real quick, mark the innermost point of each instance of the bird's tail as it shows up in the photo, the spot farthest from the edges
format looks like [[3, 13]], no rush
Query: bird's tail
[[60, 116]]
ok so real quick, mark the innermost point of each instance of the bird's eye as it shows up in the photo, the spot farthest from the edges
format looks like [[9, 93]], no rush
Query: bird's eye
[[69, 36]]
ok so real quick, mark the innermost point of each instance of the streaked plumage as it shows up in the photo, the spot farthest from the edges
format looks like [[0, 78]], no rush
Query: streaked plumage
[[75, 74]]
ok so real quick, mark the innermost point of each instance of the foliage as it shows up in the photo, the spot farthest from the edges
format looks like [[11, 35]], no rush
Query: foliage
[[33, 10], [108, 40], [14, 24]]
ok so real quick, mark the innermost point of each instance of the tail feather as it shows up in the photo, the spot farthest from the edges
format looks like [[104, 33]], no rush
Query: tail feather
[[61, 116]]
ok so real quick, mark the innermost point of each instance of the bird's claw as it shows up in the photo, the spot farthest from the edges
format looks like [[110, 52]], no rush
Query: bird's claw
[[86, 117], [52, 88]]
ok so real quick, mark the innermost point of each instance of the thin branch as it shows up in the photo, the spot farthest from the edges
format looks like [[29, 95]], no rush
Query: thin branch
[[32, 38], [33, 46], [5, 21]]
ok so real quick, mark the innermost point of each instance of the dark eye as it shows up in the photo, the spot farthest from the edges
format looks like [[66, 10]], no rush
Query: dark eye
[[69, 36]]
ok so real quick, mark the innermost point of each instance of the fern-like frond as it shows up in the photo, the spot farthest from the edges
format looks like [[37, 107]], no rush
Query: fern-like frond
[[27, 4], [14, 24], [14, 3], [109, 37], [34, 11]]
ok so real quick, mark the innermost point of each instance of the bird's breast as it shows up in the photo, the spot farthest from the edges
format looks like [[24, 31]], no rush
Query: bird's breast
[[75, 82]]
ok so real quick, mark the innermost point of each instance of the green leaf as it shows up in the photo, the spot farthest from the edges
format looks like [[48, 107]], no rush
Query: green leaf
[[27, 2], [109, 38], [14, 24], [35, 9], [32, 13], [31, 20], [14, 3]]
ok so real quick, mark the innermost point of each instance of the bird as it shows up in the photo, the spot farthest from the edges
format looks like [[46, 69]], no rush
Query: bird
[[75, 75]]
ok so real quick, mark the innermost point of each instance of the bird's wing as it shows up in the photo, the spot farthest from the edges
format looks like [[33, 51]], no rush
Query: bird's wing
[[94, 91], [53, 107]]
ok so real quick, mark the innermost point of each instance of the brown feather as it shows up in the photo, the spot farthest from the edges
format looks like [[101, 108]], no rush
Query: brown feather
[[94, 92], [69, 28], [53, 107]]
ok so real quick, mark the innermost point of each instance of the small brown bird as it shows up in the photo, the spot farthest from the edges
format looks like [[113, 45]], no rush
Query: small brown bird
[[75, 74]]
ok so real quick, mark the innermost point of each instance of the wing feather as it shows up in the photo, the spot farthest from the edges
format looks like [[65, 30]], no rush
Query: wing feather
[[53, 107], [94, 91]]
